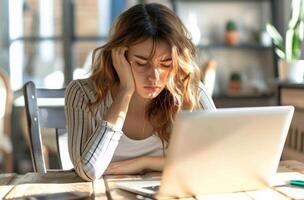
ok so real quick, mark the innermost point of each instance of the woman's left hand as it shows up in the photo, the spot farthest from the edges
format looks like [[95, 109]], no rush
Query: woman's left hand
[[133, 166], [136, 165]]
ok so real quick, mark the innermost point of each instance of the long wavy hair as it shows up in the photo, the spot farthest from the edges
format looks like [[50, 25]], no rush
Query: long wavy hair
[[159, 23]]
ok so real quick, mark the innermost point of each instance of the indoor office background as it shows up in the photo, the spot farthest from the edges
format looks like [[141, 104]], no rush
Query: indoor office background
[[50, 42]]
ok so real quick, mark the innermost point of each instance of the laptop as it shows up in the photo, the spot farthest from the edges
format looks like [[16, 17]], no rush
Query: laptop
[[222, 151]]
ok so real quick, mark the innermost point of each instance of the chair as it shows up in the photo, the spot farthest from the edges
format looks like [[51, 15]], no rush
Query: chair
[[293, 94], [45, 109], [6, 103]]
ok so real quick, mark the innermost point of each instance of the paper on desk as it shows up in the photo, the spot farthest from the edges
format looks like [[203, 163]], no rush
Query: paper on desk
[[283, 178], [294, 192], [232, 196]]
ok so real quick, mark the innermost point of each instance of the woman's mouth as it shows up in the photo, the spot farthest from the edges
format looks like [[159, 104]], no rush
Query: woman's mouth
[[152, 88]]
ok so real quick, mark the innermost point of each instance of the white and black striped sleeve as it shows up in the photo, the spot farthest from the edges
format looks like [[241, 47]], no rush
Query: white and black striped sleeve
[[205, 99], [92, 142]]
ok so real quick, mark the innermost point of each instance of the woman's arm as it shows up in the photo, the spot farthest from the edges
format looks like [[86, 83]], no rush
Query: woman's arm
[[205, 99], [136, 165], [90, 156], [155, 163], [116, 114]]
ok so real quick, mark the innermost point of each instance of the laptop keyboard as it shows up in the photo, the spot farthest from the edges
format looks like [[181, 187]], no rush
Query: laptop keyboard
[[154, 188]]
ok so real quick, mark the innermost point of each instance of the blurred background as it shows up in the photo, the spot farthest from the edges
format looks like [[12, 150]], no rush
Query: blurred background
[[50, 42]]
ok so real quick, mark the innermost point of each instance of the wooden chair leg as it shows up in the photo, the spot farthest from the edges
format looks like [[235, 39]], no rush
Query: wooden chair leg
[[46, 156], [8, 162]]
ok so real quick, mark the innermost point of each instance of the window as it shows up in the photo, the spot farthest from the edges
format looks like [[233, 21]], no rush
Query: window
[[53, 39], [35, 50]]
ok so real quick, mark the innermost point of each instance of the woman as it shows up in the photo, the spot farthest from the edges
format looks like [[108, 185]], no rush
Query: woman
[[140, 79]]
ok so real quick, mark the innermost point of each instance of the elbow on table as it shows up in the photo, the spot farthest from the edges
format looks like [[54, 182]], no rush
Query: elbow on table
[[87, 173]]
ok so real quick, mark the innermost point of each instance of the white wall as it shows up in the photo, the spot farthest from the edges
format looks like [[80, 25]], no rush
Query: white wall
[[3, 30], [1, 36]]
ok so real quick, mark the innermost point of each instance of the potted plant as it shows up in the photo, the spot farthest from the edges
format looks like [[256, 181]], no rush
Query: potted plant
[[235, 83], [289, 51], [232, 34]]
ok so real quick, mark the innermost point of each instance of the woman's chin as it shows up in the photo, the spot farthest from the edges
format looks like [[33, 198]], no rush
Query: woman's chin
[[149, 95]]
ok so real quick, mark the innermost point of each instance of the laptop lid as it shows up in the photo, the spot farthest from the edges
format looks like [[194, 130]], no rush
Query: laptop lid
[[226, 150]]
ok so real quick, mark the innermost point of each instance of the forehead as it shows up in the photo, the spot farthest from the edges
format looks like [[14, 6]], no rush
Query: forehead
[[145, 48]]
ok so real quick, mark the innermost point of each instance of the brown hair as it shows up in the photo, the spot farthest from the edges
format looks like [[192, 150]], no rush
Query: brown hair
[[155, 21]]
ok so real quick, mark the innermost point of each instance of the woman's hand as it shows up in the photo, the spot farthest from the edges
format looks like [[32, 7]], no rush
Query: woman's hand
[[123, 69], [136, 165], [133, 166]]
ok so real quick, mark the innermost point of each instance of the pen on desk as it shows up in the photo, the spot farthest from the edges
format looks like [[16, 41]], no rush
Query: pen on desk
[[296, 182]]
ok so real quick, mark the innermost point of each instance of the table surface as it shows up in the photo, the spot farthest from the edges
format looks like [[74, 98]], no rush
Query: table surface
[[67, 185]]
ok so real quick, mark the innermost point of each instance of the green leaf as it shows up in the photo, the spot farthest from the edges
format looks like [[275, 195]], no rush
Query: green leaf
[[296, 47], [289, 44], [302, 11], [301, 30], [295, 17], [231, 26], [302, 15], [275, 35], [280, 53]]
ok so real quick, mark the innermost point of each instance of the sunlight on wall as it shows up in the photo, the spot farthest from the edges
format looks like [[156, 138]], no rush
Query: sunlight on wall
[[16, 49], [104, 16], [46, 25], [16, 62], [15, 19], [54, 80]]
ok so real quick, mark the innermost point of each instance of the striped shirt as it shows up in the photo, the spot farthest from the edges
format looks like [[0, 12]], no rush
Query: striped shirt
[[92, 141]]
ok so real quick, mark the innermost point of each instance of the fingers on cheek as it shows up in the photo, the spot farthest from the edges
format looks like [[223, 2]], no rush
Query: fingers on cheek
[[124, 50], [119, 51], [114, 57]]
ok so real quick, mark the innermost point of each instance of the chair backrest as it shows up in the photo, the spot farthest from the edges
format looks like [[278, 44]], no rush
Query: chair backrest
[[45, 114]]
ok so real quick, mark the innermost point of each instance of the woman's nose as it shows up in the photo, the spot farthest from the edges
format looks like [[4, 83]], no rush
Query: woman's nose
[[154, 74]]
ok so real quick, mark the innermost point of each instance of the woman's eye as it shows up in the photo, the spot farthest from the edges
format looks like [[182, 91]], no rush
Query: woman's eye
[[141, 64], [166, 66]]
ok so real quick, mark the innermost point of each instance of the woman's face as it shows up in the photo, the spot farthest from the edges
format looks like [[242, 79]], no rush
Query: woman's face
[[150, 75]]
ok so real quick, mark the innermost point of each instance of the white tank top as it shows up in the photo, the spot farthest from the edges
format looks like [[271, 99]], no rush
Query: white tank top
[[129, 148]]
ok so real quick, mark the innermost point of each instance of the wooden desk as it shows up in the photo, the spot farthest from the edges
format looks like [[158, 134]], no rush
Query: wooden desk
[[288, 170], [5, 183], [55, 184], [69, 184]]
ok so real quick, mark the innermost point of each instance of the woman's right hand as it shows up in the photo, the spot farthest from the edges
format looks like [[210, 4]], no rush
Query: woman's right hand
[[123, 69]]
